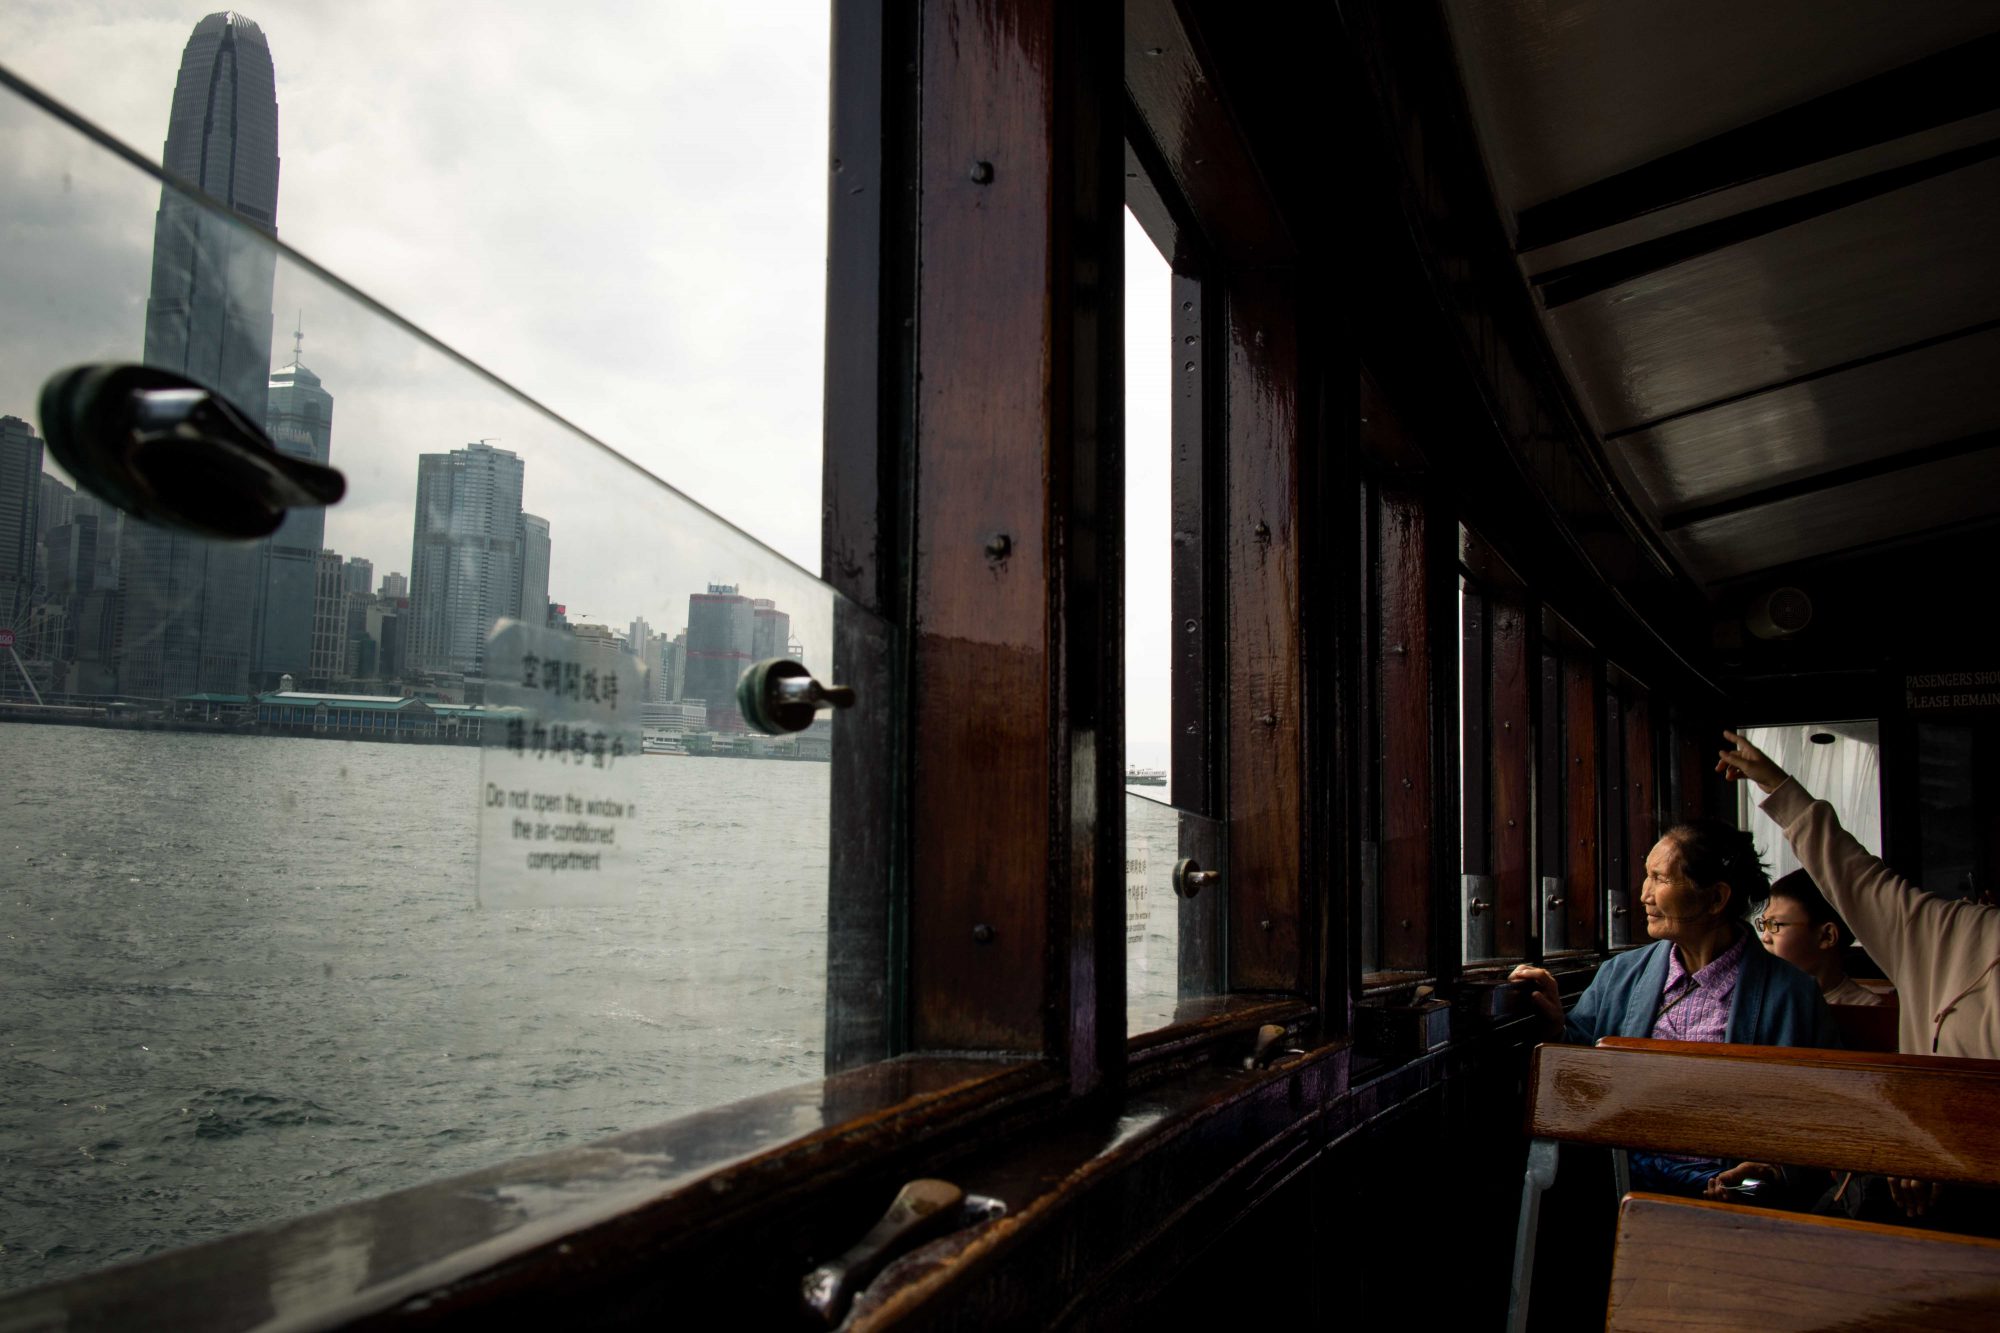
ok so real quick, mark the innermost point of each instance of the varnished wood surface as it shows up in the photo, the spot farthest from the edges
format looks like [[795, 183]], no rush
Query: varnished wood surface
[[1581, 770], [1686, 1264], [1267, 943], [1020, 247], [1642, 820], [1512, 772], [1403, 708], [1901, 1115]]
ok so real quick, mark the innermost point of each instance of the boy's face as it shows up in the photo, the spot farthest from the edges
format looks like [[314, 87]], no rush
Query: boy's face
[[1789, 933]]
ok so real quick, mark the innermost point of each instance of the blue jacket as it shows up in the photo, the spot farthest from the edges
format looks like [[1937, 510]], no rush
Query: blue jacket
[[1775, 1004]]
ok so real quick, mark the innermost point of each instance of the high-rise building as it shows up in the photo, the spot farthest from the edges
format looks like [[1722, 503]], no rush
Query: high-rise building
[[394, 587], [673, 667], [534, 606], [328, 658], [209, 313], [465, 557], [299, 416], [189, 607], [20, 497], [771, 629], [721, 634], [360, 576]]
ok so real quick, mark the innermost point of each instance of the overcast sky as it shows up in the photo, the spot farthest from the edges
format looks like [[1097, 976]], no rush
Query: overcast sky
[[619, 208]]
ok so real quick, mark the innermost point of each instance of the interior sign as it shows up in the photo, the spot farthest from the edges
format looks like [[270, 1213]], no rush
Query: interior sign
[[559, 816], [1938, 690]]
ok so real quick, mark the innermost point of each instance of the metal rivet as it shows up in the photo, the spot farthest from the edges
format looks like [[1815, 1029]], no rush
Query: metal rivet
[[999, 546], [983, 933], [1510, 823], [1265, 923], [1406, 923], [1406, 784], [1190, 627], [1187, 365], [1263, 531], [1191, 729], [981, 173], [1269, 719]]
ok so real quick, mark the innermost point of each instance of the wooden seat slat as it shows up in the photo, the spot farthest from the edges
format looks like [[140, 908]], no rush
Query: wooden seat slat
[[1843, 1110], [1685, 1264]]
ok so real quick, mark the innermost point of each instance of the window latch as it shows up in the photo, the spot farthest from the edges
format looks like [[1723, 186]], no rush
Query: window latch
[[171, 451], [921, 1211]]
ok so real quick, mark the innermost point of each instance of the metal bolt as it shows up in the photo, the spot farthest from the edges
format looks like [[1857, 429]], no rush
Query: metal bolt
[[1265, 923], [999, 546], [1190, 627], [1191, 730], [1510, 823], [1269, 719], [983, 933], [981, 173], [1406, 923], [1263, 531]]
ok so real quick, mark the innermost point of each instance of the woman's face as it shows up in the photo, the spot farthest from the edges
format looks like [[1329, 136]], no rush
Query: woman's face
[[1675, 908]]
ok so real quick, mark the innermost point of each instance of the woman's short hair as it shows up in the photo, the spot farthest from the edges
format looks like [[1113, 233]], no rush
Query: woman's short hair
[[1713, 852], [1798, 887]]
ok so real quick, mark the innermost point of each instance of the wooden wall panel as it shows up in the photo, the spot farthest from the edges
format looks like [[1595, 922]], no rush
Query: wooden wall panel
[[1642, 816], [1512, 775], [1582, 759], [1267, 950], [1017, 346], [1403, 705]]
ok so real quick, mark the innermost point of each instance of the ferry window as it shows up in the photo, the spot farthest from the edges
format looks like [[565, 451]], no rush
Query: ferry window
[[1838, 762], [1174, 938], [1152, 649], [426, 831]]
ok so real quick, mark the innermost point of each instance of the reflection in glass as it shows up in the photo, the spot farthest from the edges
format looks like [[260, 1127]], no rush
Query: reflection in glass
[[1152, 914], [247, 972]]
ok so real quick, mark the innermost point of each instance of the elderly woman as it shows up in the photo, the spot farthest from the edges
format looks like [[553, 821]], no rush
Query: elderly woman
[[1705, 978]]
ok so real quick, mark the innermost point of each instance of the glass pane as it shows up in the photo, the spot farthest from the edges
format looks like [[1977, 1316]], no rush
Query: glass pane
[[1149, 636], [1839, 762], [1173, 941], [422, 833]]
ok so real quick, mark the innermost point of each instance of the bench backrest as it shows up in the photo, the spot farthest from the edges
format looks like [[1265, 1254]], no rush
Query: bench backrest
[[1686, 1264], [1902, 1115], [1867, 1027]]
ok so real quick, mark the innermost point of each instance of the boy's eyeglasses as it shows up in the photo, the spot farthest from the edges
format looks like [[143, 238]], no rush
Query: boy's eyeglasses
[[1768, 926]]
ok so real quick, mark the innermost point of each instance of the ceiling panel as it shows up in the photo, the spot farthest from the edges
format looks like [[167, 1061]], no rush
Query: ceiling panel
[[1939, 393], [1568, 92], [1911, 502], [1884, 273]]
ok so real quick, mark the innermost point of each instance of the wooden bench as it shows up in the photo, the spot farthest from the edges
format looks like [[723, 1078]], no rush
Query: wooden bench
[[1882, 1113], [1688, 1264], [1868, 1027]]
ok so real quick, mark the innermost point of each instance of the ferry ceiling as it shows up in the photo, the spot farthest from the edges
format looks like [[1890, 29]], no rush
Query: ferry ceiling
[[1757, 244]]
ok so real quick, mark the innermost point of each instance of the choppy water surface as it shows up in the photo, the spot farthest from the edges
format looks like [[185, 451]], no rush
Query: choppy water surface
[[244, 978]]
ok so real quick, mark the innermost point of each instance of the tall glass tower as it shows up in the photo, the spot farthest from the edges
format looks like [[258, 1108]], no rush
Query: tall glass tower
[[465, 555], [189, 605], [299, 417]]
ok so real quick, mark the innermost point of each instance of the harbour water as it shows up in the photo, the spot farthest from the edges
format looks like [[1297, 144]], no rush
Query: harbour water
[[244, 978]]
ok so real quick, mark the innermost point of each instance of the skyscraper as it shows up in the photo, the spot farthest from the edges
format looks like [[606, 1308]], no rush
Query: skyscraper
[[360, 576], [394, 586], [720, 634], [534, 605], [298, 414], [20, 496], [189, 606], [209, 314], [465, 557]]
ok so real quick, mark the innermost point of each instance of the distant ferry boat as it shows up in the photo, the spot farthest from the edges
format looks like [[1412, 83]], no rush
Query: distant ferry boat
[[651, 743], [1145, 777]]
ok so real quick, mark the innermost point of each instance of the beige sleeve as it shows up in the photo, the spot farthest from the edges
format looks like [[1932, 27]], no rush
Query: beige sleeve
[[1894, 919]]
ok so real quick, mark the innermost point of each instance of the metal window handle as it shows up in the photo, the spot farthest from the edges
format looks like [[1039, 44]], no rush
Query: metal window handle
[[1553, 903], [1190, 878], [1478, 905], [921, 1211], [1270, 1046], [171, 451], [1620, 911], [779, 694]]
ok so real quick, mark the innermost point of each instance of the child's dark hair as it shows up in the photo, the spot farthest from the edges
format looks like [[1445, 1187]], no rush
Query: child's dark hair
[[1713, 852], [1798, 887]]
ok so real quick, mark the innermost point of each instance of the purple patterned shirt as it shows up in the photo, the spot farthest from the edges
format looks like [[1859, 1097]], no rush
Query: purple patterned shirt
[[1696, 1007]]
